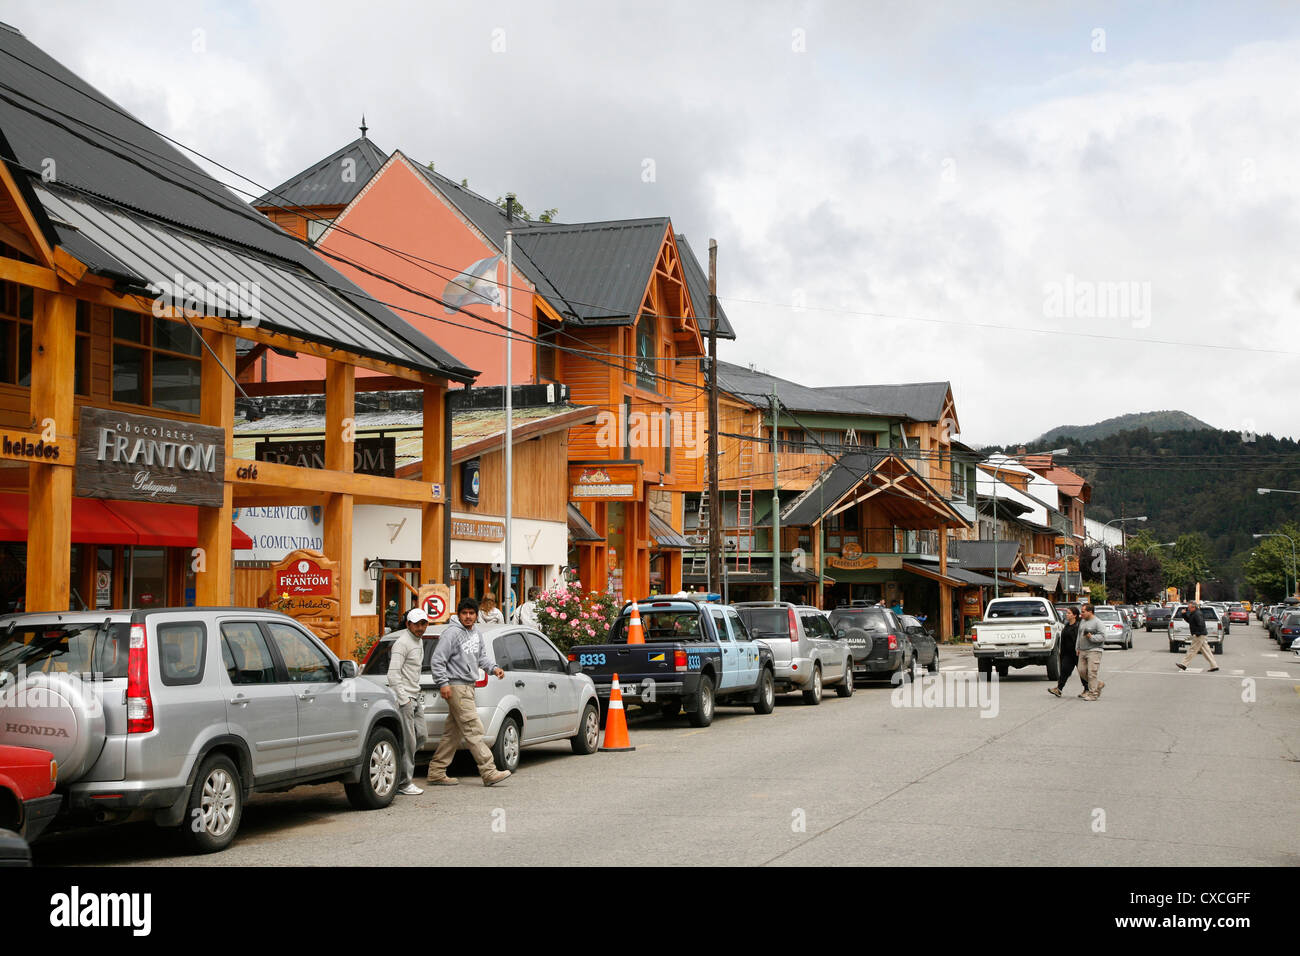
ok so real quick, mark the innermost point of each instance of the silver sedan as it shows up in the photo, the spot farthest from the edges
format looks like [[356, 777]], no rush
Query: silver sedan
[[1115, 627]]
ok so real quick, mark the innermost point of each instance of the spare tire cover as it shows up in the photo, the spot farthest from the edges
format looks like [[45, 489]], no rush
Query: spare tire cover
[[56, 712], [859, 641]]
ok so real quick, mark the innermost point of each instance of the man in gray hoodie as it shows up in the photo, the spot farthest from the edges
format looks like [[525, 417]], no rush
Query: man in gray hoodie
[[456, 661], [1091, 639]]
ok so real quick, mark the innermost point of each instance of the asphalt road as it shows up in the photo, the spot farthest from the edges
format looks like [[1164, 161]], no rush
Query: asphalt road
[[1167, 768]]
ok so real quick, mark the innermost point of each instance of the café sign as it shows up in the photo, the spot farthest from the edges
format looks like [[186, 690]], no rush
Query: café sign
[[137, 458]]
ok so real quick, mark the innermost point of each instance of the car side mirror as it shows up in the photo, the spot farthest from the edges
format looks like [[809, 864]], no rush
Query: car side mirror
[[574, 668], [347, 670]]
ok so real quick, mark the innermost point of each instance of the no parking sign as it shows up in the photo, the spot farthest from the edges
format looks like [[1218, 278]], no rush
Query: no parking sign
[[436, 601]]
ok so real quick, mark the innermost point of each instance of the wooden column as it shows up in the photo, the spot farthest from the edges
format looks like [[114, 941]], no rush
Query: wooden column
[[433, 538], [639, 552], [945, 592], [49, 487], [816, 534], [212, 585], [340, 408]]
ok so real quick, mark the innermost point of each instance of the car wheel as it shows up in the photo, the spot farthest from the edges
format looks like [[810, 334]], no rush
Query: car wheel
[[766, 701], [506, 749], [814, 694], [702, 715], [587, 739], [933, 666], [845, 687], [1173, 648], [215, 807], [378, 784]]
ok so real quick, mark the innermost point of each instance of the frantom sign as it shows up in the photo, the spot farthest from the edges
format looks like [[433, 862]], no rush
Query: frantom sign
[[138, 458]]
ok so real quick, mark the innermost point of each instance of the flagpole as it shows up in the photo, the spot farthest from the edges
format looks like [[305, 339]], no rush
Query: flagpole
[[510, 245]]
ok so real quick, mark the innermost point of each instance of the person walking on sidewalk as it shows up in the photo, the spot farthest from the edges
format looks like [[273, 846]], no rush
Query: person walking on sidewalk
[[1196, 627], [1091, 639], [461, 651], [1069, 656], [405, 660]]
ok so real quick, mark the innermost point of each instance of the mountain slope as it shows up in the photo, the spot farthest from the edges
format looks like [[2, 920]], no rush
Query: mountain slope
[[1162, 421]]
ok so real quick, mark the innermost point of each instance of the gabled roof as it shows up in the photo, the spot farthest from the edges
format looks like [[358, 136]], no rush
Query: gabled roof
[[140, 211], [603, 268], [697, 282], [754, 386], [918, 401], [324, 183], [874, 472]]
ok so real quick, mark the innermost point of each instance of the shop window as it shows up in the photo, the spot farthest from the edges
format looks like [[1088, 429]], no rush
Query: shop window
[[156, 362], [17, 304], [547, 360], [645, 353], [148, 573], [82, 358]]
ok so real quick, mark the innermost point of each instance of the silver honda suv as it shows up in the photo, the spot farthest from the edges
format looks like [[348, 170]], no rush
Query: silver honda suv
[[183, 713]]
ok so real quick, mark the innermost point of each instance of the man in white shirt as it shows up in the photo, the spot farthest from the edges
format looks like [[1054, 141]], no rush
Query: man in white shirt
[[405, 661]]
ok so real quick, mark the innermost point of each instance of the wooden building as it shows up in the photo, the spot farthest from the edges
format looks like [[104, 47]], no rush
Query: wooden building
[[609, 309], [131, 282]]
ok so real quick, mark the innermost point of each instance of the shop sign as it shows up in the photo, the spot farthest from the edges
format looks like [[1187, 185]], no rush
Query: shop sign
[[305, 587], [138, 458], [970, 602], [1036, 567], [370, 456], [613, 482], [475, 529], [34, 446], [275, 530]]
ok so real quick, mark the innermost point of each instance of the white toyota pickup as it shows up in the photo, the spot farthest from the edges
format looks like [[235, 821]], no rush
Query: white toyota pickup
[[1018, 632]]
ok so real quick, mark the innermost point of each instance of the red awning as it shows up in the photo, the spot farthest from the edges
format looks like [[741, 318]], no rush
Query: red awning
[[97, 521]]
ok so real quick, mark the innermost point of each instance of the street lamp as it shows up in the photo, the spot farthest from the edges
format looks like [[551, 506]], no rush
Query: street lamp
[[1009, 460], [1278, 534], [1280, 491], [1123, 542]]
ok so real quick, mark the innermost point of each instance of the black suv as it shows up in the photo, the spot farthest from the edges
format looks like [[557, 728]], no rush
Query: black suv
[[880, 643], [1158, 617]]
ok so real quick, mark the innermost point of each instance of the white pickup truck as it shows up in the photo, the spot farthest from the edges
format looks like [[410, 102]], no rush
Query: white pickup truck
[[1018, 632]]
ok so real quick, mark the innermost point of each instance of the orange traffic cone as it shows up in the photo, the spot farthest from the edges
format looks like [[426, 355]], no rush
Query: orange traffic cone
[[635, 635], [616, 738]]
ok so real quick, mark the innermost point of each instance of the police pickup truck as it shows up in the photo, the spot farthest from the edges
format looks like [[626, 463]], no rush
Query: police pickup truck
[[694, 655], [1018, 632]]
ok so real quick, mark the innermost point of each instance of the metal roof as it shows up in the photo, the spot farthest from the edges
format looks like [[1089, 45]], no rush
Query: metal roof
[[760, 572], [330, 182], [848, 471], [753, 386], [979, 555], [603, 267], [139, 209], [697, 283], [664, 535], [580, 528], [918, 401]]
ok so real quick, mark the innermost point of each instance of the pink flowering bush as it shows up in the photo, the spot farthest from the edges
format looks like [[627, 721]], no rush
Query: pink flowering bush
[[568, 615]]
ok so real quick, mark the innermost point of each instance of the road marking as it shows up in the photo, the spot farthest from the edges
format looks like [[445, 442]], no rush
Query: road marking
[[1194, 670], [1270, 655], [1236, 673], [1277, 674], [954, 667]]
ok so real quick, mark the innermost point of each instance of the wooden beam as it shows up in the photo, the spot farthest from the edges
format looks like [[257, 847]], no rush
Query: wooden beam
[[49, 489], [25, 273], [340, 429], [432, 470], [246, 474], [213, 562], [43, 250], [68, 266]]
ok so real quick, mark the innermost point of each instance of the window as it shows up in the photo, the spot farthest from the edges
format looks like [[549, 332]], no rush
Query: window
[[245, 655], [66, 648], [82, 358], [17, 303], [645, 353], [548, 658], [546, 351], [182, 647], [316, 228], [511, 653], [156, 362], [720, 625], [304, 662]]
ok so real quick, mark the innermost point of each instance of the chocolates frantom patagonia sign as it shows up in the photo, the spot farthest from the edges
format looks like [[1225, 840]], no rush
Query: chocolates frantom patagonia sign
[[137, 458]]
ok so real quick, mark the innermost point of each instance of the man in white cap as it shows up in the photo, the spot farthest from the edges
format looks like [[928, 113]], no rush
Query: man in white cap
[[405, 661]]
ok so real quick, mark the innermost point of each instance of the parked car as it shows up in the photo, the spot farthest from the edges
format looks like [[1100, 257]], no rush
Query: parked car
[[183, 713], [805, 650], [1180, 634], [27, 779], [543, 696], [1288, 629], [927, 648], [1018, 632], [1221, 608], [1116, 628], [1158, 617], [694, 655], [880, 645]]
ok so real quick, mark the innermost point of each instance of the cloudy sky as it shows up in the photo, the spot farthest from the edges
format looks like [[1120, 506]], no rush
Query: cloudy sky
[[1070, 211]]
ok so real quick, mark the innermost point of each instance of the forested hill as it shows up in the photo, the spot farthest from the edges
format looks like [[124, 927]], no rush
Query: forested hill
[[1164, 421], [1187, 481]]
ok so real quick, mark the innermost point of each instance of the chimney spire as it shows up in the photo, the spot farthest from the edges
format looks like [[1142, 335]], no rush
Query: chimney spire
[[364, 127]]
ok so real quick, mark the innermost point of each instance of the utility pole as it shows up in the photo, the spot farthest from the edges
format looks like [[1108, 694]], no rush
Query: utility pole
[[776, 504], [505, 603], [715, 524]]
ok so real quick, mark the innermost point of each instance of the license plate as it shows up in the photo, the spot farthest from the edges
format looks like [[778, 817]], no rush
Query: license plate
[[1011, 652]]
